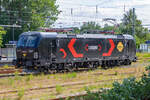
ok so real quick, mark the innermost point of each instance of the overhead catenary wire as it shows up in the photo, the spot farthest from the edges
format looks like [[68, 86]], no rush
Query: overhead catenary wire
[[78, 13]]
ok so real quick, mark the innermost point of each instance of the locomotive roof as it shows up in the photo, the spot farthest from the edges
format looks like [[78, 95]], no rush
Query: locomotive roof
[[56, 35]]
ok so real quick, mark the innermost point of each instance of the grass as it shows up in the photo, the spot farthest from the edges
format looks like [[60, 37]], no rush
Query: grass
[[17, 77], [116, 73], [143, 55], [5, 98], [56, 78], [20, 94], [29, 77], [11, 81], [48, 76], [6, 66], [59, 89], [69, 75], [31, 81]]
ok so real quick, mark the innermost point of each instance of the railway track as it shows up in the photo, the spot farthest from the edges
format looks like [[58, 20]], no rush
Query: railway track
[[68, 84], [8, 71], [19, 72], [23, 72], [11, 72], [52, 87]]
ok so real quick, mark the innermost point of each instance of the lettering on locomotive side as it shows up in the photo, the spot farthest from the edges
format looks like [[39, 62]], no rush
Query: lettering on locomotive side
[[92, 47]]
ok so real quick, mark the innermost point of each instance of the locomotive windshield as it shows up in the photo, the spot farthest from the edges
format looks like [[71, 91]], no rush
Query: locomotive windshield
[[27, 41]]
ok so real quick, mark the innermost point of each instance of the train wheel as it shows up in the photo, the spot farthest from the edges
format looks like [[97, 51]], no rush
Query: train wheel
[[127, 62], [109, 64], [68, 67], [116, 63], [104, 64], [18, 66], [91, 66], [96, 64], [59, 67], [112, 63]]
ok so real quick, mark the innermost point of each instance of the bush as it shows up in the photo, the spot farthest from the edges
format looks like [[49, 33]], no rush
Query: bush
[[129, 89]]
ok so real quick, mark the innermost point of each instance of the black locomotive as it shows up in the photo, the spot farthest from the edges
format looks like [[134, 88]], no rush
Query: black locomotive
[[50, 50]]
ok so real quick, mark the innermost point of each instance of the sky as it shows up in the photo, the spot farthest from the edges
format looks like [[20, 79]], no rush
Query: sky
[[75, 12]]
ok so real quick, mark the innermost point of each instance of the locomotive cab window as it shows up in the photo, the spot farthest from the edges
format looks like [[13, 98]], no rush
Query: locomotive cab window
[[27, 41]]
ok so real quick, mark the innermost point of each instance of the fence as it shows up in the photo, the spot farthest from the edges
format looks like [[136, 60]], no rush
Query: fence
[[145, 48], [8, 53]]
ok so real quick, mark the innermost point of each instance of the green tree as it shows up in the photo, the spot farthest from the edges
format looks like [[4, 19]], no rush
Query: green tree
[[111, 28], [29, 14], [76, 30], [115, 28], [108, 28], [140, 32], [2, 32], [90, 26], [127, 21]]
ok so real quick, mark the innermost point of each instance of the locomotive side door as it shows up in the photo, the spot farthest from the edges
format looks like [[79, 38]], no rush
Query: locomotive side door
[[51, 50], [127, 47]]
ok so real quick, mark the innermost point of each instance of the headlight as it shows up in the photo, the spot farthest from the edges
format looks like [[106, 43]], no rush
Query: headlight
[[35, 55]]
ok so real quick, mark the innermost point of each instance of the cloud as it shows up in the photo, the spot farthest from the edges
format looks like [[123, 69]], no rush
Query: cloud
[[85, 10]]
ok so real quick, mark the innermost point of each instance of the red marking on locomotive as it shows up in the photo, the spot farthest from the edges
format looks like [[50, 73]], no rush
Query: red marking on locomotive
[[100, 47], [64, 52], [86, 47], [111, 48], [72, 50]]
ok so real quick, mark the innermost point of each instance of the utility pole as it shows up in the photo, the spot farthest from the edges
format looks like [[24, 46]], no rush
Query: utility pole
[[96, 12], [71, 11], [96, 9], [133, 19], [124, 8], [72, 16]]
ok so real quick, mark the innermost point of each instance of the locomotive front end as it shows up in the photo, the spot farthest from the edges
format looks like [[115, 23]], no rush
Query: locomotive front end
[[27, 52]]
